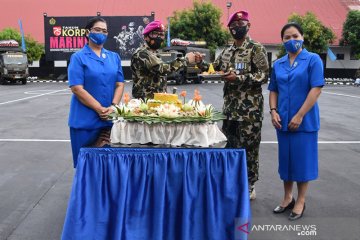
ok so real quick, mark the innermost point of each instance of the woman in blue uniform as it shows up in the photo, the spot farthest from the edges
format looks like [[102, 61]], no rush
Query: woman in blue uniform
[[295, 86], [97, 82]]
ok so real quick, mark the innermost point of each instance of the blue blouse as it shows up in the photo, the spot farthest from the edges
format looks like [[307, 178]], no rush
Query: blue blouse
[[293, 83], [99, 76]]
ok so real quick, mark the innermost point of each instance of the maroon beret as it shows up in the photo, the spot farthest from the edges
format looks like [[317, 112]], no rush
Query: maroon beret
[[154, 26], [240, 15]]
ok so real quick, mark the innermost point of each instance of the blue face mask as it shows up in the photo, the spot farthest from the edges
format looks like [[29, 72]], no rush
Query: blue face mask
[[98, 38], [293, 45]]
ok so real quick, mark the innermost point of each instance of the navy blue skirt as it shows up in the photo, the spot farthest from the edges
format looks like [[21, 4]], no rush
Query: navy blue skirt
[[82, 138], [298, 156]]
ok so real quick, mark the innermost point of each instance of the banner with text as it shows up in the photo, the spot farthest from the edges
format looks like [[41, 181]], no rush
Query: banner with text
[[66, 35]]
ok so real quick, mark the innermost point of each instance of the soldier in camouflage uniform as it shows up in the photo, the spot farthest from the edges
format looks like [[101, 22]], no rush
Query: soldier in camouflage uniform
[[247, 65], [148, 70]]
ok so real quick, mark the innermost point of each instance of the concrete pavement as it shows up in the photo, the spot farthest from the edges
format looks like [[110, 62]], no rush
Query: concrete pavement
[[36, 167]]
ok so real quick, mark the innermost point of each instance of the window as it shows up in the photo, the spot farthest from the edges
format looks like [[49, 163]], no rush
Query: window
[[339, 56]]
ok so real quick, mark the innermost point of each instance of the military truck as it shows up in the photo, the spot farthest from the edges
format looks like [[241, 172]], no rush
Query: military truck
[[13, 62], [190, 72]]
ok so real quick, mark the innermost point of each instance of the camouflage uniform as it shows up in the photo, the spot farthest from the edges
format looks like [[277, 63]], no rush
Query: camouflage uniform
[[149, 72], [243, 99]]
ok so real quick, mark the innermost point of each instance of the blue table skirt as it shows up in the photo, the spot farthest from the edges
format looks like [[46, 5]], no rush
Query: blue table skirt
[[152, 193]]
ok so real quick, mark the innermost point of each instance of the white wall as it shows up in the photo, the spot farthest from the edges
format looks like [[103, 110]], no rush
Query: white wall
[[346, 63], [125, 63], [274, 51], [35, 64], [60, 64]]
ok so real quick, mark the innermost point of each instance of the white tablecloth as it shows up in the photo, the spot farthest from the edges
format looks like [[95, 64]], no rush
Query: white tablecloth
[[196, 134]]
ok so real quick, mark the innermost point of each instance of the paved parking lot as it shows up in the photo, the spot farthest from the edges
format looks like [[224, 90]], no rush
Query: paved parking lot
[[36, 167]]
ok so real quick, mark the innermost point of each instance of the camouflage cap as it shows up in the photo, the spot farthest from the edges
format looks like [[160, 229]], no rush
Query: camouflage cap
[[239, 15], [154, 26]]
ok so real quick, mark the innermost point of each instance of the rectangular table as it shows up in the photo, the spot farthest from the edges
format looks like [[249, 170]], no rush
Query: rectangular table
[[158, 193]]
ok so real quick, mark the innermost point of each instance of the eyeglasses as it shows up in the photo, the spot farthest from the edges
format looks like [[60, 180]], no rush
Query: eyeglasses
[[155, 34], [238, 23], [97, 29]]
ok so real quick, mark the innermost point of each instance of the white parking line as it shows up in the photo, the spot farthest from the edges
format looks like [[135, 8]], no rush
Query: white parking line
[[35, 92], [21, 99], [66, 140], [340, 94]]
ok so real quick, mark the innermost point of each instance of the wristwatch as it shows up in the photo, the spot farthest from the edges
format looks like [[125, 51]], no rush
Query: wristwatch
[[272, 109]]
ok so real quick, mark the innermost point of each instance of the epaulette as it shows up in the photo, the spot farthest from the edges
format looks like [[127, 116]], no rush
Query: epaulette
[[254, 42]]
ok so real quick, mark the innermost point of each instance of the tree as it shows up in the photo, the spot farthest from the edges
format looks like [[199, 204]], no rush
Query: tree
[[351, 32], [34, 50], [316, 36], [201, 23]]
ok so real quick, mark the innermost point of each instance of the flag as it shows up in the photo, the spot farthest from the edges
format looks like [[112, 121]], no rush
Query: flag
[[331, 55], [168, 34], [23, 46]]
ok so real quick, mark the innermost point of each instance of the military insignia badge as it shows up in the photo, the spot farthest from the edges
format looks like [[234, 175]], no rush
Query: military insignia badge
[[146, 20], [52, 21]]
